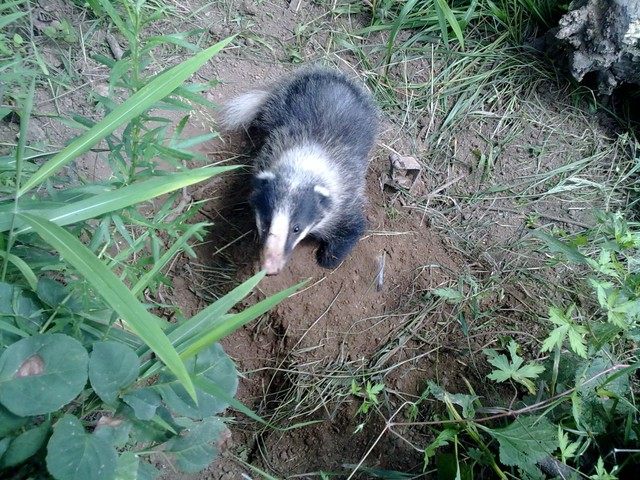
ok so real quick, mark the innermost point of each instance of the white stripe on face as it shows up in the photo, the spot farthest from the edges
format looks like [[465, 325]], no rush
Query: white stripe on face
[[274, 257], [259, 225]]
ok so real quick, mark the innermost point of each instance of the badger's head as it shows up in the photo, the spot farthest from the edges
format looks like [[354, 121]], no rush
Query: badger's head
[[287, 209]]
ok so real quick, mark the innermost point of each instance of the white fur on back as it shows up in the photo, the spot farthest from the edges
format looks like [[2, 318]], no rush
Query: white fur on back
[[240, 111], [312, 160]]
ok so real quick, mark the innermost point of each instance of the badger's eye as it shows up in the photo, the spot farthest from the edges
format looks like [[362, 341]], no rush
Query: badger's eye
[[296, 228]]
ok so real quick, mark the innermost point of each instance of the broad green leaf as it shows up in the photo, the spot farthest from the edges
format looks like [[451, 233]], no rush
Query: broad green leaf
[[214, 390], [143, 99], [60, 297], [23, 308], [567, 327], [112, 367], [197, 448], [144, 402], [115, 293], [4, 445], [442, 440], [465, 401], [25, 445], [449, 294], [73, 454], [567, 449], [526, 441], [10, 422], [577, 341], [214, 365], [115, 430], [118, 198], [515, 370], [41, 374], [128, 465], [555, 339], [146, 471]]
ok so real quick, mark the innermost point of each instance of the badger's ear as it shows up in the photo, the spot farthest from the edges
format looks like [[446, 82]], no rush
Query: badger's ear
[[323, 195], [264, 176]]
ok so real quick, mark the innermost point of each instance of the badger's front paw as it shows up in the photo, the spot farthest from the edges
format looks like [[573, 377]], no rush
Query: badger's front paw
[[327, 256]]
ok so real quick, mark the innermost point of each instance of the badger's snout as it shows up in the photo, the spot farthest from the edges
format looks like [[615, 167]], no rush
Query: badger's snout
[[273, 262], [274, 254]]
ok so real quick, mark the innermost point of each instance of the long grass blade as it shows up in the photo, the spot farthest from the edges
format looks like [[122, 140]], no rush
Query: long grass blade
[[233, 322], [207, 318], [143, 99], [398, 25], [24, 268], [115, 293], [119, 198], [12, 17], [443, 7]]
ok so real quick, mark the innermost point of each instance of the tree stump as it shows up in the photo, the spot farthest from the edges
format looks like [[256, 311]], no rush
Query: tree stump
[[600, 37]]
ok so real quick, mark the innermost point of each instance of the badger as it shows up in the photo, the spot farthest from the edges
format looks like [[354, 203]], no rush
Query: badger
[[312, 135]]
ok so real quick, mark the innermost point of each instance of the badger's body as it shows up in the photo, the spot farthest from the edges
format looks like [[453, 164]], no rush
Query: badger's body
[[313, 134]]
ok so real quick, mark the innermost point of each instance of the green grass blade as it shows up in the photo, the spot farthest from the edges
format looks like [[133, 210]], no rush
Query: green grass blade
[[207, 318], [118, 21], [12, 17], [119, 198], [8, 5], [236, 321], [7, 327], [146, 97], [115, 293], [171, 252], [21, 265], [443, 7], [398, 25]]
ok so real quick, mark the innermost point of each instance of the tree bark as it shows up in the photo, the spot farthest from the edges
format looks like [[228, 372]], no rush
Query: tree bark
[[600, 37]]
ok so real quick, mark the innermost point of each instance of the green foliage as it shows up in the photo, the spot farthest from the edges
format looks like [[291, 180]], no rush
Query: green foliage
[[585, 405], [93, 378], [369, 393], [566, 328], [514, 369], [525, 441]]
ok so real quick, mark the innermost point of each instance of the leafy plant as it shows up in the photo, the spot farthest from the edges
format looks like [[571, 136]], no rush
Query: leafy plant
[[93, 379], [585, 408], [369, 394], [514, 368]]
